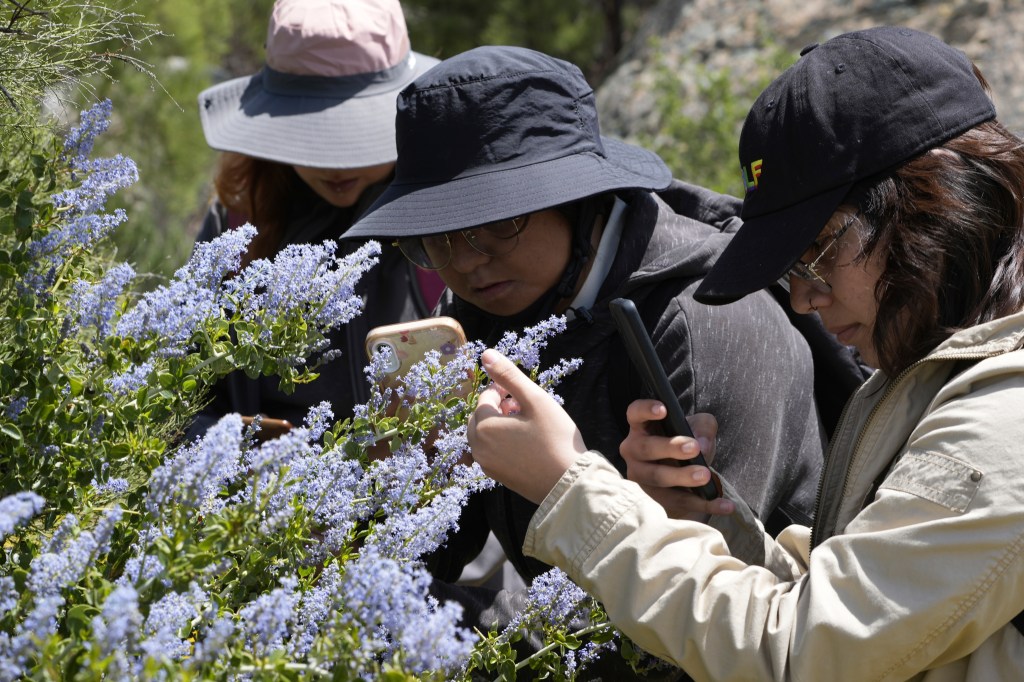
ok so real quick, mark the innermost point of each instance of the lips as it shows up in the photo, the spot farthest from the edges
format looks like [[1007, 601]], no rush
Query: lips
[[340, 187], [493, 289]]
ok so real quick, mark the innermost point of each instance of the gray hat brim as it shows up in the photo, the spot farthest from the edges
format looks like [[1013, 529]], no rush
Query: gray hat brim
[[412, 209], [314, 129]]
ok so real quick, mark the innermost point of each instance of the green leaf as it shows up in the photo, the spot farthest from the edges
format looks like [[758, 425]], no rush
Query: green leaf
[[79, 619], [10, 430], [507, 670]]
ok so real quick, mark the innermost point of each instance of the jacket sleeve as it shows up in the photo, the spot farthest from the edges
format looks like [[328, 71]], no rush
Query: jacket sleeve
[[748, 366], [927, 574]]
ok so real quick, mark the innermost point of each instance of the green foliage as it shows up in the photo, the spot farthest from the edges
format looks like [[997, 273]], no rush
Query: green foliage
[[48, 48], [584, 32], [698, 123]]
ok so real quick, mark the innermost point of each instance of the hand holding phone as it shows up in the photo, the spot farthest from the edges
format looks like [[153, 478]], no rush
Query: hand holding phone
[[645, 359], [409, 343]]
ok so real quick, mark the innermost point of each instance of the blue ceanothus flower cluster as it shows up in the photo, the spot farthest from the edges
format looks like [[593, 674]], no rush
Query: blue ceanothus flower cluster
[[236, 556], [84, 223]]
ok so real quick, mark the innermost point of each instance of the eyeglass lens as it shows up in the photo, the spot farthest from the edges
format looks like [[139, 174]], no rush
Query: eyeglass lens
[[434, 252], [810, 272]]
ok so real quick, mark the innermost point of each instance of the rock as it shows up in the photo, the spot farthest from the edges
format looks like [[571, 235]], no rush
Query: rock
[[689, 36]]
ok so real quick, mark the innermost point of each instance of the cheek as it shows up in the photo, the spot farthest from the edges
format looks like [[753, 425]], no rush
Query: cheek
[[544, 260]]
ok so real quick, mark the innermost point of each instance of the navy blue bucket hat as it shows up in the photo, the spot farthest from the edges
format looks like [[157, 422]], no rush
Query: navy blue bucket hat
[[494, 133], [851, 109]]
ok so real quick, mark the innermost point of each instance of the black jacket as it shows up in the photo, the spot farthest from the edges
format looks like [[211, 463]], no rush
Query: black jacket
[[745, 363]]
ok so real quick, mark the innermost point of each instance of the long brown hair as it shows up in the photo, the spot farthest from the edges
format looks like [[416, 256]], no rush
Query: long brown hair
[[950, 224], [260, 192]]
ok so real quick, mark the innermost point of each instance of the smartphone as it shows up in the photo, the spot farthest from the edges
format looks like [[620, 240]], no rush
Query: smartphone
[[409, 342], [645, 359]]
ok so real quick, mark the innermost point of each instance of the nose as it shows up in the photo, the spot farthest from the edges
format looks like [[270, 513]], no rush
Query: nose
[[464, 257], [804, 298]]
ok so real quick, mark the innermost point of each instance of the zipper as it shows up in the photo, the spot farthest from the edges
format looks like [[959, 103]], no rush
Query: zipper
[[818, 530]]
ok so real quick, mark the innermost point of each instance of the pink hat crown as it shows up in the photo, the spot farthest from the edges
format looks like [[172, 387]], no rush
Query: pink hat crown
[[336, 37]]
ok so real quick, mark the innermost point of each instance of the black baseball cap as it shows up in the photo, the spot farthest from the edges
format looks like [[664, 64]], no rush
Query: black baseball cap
[[852, 108]]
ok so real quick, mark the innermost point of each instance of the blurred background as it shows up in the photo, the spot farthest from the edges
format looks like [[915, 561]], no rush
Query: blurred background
[[674, 75]]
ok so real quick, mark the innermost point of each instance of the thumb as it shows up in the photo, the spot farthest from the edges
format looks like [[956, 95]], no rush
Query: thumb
[[504, 373]]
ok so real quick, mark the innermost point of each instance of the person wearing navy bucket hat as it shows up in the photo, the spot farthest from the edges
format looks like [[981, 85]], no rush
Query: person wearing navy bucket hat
[[308, 142], [505, 185], [883, 190]]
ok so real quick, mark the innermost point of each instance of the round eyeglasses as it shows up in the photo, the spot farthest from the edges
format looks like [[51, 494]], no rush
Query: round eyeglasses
[[434, 251], [811, 272]]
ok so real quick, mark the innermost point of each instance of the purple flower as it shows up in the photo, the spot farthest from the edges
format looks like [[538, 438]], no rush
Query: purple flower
[[558, 598], [113, 486], [524, 349], [94, 121], [79, 233], [304, 278], [65, 558], [430, 380], [82, 223], [212, 643], [331, 486], [315, 609], [167, 615], [394, 480], [103, 177], [318, 420], [115, 631], [196, 473], [16, 407], [174, 312], [264, 622], [18, 508], [8, 594], [552, 376], [553, 600], [93, 305], [388, 603], [131, 380]]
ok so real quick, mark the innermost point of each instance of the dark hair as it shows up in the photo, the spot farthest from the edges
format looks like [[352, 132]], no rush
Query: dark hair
[[950, 226], [260, 192]]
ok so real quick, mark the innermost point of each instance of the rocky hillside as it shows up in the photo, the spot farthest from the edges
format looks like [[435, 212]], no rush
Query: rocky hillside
[[694, 36]]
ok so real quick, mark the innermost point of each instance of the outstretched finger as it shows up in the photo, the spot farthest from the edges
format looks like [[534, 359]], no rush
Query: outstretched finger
[[508, 381]]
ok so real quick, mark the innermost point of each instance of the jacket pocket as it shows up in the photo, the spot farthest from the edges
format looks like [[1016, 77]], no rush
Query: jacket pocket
[[938, 478]]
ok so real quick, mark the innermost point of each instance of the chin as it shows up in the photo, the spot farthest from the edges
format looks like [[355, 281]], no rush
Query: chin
[[500, 310], [868, 356]]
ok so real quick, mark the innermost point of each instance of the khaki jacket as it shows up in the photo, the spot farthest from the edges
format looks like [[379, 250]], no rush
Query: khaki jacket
[[917, 564]]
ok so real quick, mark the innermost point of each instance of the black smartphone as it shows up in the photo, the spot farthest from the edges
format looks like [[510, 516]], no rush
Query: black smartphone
[[645, 359]]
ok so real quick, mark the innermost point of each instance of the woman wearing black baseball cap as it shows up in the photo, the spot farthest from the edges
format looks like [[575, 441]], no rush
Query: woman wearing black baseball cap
[[881, 187]]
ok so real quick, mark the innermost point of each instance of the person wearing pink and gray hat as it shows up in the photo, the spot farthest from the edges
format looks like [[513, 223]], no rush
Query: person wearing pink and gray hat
[[883, 190], [309, 142]]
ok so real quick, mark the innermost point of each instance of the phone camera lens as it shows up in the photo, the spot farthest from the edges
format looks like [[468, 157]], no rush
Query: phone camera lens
[[393, 362]]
